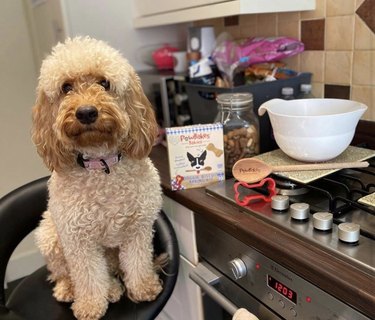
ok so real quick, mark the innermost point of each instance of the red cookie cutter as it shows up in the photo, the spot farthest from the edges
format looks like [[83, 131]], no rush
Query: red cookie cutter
[[247, 199]]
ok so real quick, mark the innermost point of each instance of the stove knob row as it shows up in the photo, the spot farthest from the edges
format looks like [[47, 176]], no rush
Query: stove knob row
[[322, 221]]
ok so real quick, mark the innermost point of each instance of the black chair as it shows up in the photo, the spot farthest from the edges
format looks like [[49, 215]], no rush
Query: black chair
[[20, 212]]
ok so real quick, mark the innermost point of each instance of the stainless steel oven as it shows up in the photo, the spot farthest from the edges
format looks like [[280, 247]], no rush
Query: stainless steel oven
[[233, 275]]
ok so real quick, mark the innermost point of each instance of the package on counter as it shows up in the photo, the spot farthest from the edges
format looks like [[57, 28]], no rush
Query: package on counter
[[196, 156]]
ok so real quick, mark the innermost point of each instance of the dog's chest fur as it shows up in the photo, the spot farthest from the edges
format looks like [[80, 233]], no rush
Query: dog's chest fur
[[105, 206]]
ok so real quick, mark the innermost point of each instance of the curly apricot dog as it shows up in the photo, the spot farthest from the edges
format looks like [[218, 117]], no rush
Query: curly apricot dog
[[94, 128]]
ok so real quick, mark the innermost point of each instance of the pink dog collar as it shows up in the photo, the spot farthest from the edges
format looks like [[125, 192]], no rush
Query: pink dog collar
[[96, 164]]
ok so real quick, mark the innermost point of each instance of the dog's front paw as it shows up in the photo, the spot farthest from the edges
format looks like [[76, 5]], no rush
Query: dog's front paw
[[93, 309], [116, 289], [145, 290], [63, 290]]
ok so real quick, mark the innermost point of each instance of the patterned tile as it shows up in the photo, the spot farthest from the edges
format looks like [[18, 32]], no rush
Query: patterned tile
[[312, 34], [231, 21], [367, 13], [336, 91]]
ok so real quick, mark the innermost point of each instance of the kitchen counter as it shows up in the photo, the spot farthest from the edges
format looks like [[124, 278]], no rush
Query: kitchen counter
[[327, 272]]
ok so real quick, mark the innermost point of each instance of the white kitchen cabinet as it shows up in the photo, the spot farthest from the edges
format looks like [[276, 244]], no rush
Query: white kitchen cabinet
[[186, 300], [151, 13]]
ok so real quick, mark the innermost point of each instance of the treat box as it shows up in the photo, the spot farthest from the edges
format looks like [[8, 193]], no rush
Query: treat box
[[196, 155]]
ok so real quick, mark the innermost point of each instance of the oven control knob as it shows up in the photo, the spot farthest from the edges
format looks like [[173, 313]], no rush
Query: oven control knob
[[322, 221], [238, 268], [280, 203], [300, 211], [349, 232]]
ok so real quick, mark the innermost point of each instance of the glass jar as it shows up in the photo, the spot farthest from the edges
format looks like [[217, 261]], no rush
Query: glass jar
[[240, 126]]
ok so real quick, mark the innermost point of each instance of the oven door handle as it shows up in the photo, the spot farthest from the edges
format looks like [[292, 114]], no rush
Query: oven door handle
[[205, 279]]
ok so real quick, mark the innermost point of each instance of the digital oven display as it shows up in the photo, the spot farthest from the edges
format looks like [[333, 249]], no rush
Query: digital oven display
[[282, 289]]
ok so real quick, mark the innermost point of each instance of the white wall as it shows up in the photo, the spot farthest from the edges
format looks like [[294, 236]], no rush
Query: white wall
[[24, 43], [112, 21], [19, 162]]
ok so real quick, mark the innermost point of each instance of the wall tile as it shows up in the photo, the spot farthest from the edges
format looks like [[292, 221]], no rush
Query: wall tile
[[364, 67], [266, 25], [366, 12], [289, 16], [338, 67], [231, 21], [313, 61], [288, 28], [358, 3], [364, 38], [336, 91], [366, 95], [318, 13], [312, 34], [248, 25], [340, 7], [293, 62], [335, 26], [248, 20], [317, 89]]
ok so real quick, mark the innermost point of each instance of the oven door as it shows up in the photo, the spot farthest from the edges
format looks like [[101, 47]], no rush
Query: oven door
[[222, 297]]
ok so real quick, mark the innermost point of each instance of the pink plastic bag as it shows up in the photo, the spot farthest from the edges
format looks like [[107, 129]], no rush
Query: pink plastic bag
[[229, 56]]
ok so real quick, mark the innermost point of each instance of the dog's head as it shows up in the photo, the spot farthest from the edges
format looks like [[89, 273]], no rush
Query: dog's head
[[197, 162], [90, 101]]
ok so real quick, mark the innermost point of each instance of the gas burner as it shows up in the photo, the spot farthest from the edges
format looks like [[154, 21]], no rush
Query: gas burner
[[289, 188]]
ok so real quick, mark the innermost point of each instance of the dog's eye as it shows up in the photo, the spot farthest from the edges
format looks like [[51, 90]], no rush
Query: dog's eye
[[66, 87], [105, 84]]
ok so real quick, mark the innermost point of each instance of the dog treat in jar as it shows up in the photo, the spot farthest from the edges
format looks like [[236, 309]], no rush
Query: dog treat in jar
[[240, 125]]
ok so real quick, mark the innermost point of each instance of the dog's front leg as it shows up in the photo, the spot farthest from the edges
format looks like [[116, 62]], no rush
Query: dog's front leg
[[90, 276], [136, 261]]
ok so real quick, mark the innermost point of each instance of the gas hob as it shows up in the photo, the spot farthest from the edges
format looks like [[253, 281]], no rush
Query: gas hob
[[328, 213]]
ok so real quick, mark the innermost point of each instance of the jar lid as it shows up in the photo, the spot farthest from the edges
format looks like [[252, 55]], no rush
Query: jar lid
[[234, 100]]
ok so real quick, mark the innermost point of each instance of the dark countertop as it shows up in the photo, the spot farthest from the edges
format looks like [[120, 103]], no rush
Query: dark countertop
[[327, 272]]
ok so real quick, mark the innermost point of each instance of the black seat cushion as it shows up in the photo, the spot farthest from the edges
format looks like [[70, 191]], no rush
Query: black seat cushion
[[32, 299]]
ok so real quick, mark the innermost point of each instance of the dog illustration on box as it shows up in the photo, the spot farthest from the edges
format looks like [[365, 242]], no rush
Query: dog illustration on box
[[198, 162]]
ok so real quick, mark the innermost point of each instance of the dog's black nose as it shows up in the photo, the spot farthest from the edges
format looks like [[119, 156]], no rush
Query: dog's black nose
[[87, 114]]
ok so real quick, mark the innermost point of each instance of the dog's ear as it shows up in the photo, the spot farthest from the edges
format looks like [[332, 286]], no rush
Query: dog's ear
[[49, 148], [190, 157], [143, 126], [203, 155]]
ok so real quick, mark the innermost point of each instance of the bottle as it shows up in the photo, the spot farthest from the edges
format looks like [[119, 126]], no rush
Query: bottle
[[287, 93], [240, 126], [305, 91]]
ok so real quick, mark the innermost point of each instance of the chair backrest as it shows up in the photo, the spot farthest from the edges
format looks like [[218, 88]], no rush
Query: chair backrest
[[20, 213]]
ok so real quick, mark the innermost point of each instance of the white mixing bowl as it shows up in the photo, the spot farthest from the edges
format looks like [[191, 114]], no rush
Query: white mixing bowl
[[313, 130]]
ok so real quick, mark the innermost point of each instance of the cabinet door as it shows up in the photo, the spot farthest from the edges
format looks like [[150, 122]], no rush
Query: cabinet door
[[149, 7], [186, 300], [182, 220]]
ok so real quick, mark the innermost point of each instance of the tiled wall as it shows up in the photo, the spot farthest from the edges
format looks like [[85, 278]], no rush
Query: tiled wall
[[339, 38]]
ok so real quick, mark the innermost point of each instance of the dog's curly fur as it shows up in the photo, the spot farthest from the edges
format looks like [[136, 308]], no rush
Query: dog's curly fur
[[97, 225]]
